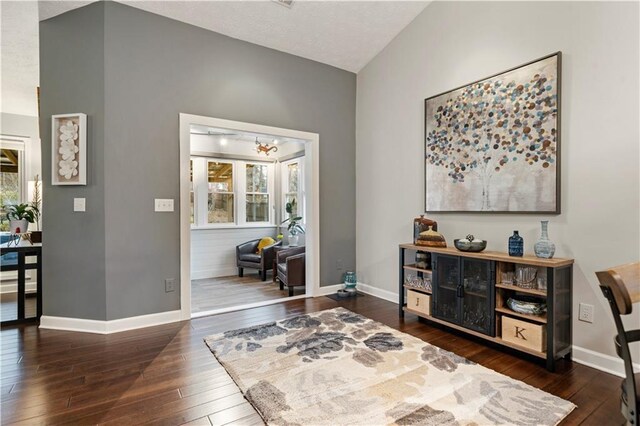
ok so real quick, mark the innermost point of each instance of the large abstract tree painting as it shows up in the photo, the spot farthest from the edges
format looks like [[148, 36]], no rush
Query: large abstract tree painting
[[492, 145]]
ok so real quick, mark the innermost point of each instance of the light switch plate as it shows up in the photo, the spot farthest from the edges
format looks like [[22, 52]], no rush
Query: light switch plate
[[164, 204], [79, 204]]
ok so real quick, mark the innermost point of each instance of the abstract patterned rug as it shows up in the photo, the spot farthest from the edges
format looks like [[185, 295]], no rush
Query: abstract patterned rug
[[336, 367]]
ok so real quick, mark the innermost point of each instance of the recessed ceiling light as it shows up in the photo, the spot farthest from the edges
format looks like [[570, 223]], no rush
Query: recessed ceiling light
[[275, 141], [223, 141]]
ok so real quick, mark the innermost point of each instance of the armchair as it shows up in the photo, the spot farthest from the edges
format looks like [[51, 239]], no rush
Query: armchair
[[247, 257], [291, 268]]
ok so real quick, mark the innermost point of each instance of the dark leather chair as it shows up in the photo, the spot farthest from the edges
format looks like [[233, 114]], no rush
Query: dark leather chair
[[621, 286], [247, 257], [291, 269]]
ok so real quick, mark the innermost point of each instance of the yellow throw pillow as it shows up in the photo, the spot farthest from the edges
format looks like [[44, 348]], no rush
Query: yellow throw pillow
[[265, 242]]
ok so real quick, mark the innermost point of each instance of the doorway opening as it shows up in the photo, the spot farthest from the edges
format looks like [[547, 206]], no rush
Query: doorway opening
[[17, 186], [248, 214]]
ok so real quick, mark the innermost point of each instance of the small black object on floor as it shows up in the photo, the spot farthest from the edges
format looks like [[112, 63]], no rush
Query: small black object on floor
[[335, 296]]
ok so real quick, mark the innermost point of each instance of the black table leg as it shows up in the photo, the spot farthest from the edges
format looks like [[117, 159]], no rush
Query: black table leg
[[21, 285], [39, 285], [401, 283]]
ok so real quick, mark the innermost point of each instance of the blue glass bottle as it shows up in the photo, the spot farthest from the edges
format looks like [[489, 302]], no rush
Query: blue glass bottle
[[516, 245]]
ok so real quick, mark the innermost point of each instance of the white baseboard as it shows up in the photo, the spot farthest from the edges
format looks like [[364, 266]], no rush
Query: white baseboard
[[599, 361], [377, 292], [363, 288], [108, 327]]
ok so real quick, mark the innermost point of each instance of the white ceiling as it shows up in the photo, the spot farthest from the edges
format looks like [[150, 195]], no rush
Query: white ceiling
[[241, 136], [344, 34], [19, 57]]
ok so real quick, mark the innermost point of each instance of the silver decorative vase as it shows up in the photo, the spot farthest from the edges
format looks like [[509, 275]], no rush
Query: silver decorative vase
[[544, 248]]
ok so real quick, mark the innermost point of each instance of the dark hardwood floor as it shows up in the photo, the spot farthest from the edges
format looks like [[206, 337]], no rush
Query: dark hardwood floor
[[166, 374]]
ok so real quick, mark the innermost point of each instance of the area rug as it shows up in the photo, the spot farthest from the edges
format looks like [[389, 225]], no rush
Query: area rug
[[336, 367]]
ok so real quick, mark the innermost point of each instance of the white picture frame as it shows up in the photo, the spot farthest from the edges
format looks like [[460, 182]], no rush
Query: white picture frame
[[69, 149]]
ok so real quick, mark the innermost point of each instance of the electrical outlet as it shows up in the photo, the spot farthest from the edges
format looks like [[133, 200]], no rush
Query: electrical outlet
[[339, 265], [585, 313], [169, 285]]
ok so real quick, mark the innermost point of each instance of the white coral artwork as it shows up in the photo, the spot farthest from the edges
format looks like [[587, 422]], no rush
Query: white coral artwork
[[68, 167], [69, 149]]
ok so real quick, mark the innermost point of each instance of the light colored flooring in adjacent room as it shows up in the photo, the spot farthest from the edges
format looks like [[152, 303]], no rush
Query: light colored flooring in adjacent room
[[224, 292], [9, 306]]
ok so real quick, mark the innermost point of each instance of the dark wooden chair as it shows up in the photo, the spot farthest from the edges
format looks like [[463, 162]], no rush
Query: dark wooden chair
[[247, 256], [621, 286], [291, 268]]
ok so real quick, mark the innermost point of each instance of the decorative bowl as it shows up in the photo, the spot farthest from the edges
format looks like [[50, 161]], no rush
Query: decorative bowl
[[342, 293], [464, 244], [527, 305]]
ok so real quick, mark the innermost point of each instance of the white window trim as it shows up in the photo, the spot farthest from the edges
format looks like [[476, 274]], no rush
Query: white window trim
[[19, 144], [270, 192], [201, 192], [285, 186]]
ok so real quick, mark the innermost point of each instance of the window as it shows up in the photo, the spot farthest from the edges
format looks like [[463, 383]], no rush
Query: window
[[257, 201], [220, 208], [291, 194], [12, 175], [231, 192], [292, 189]]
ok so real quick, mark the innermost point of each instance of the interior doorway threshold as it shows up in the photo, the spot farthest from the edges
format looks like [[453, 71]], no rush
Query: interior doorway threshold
[[246, 306]]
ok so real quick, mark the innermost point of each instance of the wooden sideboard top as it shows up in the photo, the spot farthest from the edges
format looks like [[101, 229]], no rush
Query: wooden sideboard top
[[494, 255]]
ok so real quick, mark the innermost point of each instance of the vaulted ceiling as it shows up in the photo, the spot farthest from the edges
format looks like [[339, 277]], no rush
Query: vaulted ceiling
[[344, 34]]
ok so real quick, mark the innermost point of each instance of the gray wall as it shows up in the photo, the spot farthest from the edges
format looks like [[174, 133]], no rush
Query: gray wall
[[154, 69], [72, 80]]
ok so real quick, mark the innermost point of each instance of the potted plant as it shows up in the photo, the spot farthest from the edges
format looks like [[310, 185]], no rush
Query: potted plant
[[36, 202], [295, 228], [20, 215]]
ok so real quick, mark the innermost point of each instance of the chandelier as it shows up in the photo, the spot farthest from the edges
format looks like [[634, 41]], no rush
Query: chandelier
[[265, 148]]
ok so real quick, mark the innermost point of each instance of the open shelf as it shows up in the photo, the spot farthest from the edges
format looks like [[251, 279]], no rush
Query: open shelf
[[542, 319], [415, 268], [497, 340], [448, 271], [541, 293], [418, 289]]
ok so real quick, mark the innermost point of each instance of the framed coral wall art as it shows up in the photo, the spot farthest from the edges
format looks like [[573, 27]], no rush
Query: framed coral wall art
[[494, 145], [69, 149]]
